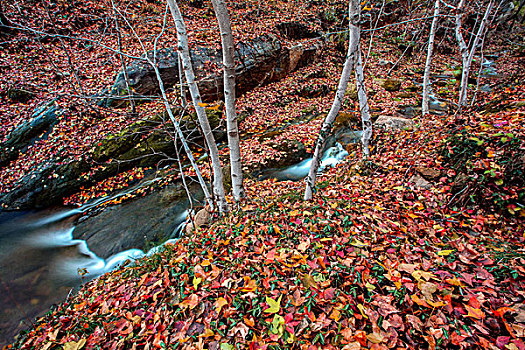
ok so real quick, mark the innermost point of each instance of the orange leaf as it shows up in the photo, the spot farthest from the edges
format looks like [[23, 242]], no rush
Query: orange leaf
[[419, 301], [502, 310], [190, 302], [249, 321], [474, 313], [219, 304]]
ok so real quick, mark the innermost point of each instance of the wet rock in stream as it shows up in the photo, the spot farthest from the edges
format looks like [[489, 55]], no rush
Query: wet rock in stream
[[142, 223]]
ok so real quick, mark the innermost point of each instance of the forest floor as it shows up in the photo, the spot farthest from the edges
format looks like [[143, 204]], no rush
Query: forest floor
[[379, 259]]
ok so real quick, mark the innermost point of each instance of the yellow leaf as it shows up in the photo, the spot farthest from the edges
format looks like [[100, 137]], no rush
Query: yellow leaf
[[418, 274], [445, 252], [335, 315], [454, 281], [196, 282], [418, 300], [207, 333], [436, 304], [73, 345], [307, 213], [202, 104], [362, 310], [369, 286], [206, 263], [275, 306], [249, 285], [358, 243], [295, 213], [277, 229]]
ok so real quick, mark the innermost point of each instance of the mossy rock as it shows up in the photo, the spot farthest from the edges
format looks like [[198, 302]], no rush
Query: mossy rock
[[20, 94], [270, 135], [227, 177], [346, 120], [391, 84], [405, 94], [130, 142], [351, 91]]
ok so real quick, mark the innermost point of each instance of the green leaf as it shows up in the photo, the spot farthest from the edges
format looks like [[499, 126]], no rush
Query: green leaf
[[226, 346]]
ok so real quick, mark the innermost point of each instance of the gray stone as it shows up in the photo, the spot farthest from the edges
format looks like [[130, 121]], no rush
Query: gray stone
[[140, 223], [394, 123], [259, 61], [42, 120], [419, 182]]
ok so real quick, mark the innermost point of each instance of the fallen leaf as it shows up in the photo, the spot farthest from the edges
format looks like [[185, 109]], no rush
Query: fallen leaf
[[275, 306]]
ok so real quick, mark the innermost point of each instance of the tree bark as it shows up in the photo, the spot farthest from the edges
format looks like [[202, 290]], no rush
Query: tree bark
[[426, 76], [363, 103], [463, 49], [353, 31], [228, 59], [218, 186], [468, 61]]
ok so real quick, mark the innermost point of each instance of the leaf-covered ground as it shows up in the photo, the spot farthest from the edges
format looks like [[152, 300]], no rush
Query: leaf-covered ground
[[374, 261]]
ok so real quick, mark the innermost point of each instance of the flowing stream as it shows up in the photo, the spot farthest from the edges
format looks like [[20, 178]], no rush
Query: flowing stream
[[41, 262]]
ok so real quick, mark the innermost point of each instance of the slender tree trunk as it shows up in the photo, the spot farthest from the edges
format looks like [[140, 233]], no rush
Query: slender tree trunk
[[353, 30], [176, 125], [463, 49], [181, 83], [363, 103], [467, 63], [218, 186], [426, 76], [228, 58]]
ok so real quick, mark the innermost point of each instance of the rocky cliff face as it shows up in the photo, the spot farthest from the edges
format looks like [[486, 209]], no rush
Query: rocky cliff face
[[259, 61]]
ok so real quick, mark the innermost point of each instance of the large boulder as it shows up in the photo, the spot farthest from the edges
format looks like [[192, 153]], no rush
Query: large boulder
[[259, 61], [143, 144], [47, 186], [394, 123], [20, 94], [137, 224], [42, 121], [391, 84]]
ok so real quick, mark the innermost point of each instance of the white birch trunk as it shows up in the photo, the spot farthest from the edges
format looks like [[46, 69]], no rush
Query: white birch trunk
[[183, 100], [459, 36], [228, 59], [426, 76], [363, 103], [218, 186], [468, 61], [353, 31]]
